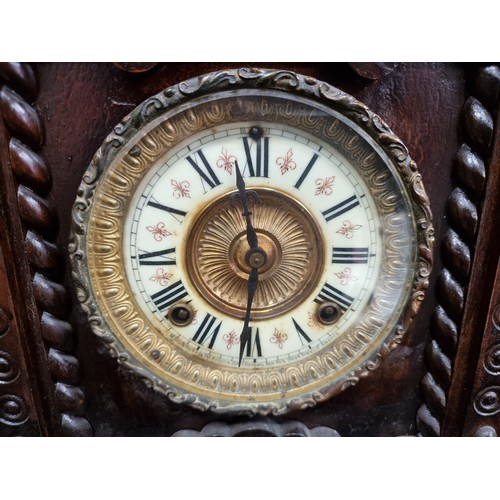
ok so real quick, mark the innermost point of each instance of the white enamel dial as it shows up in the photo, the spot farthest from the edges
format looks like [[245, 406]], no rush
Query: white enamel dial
[[315, 180]]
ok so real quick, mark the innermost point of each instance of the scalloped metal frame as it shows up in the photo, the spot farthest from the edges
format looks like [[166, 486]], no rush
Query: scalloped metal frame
[[181, 94]]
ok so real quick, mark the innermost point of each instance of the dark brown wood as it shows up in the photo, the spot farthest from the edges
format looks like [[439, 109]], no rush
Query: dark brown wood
[[26, 409], [481, 286], [373, 70], [135, 67], [483, 411], [438, 111], [457, 249], [35, 265], [363, 410]]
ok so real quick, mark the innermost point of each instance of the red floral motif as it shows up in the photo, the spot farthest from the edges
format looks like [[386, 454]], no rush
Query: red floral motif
[[161, 277], [314, 322], [279, 338], [285, 163], [159, 231], [226, 161], [324, 186], [348, 229], [195, 318], [181, 189], [231, 339], [346, 276]]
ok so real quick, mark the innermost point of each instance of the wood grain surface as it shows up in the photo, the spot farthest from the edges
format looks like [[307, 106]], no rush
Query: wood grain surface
[[78, 104]]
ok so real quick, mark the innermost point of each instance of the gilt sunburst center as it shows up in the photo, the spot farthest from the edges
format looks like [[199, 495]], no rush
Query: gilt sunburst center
[[286, 232]]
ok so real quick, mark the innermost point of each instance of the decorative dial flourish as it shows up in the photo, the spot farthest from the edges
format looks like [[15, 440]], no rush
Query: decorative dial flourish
[[158, 231], [181, 189], [286, 163], [161, 277], [325, 186], [346, 276], [231, 339], [226, 161], [348, 229], [279, 338]]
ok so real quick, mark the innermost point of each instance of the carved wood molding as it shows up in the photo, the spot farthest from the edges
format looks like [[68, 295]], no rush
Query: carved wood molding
[[483, 417], [483, 412], [39, 227], [16, 405], [20, 407], [458, 247], [260, 427]]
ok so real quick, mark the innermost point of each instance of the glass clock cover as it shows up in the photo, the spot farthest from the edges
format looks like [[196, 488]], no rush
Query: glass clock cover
[[167, 212]]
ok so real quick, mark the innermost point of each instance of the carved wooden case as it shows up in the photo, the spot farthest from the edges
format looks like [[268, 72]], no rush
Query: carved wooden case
[[56, 377]]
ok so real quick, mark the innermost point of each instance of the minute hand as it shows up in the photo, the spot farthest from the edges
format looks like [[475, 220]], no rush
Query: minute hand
[[253, 279], [246, 333]]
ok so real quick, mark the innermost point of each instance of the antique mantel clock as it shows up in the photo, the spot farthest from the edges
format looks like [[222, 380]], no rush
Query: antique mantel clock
[[251, 241]]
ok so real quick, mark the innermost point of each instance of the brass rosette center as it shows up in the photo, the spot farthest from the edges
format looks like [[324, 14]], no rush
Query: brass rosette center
[[239, 254], [290, 239]]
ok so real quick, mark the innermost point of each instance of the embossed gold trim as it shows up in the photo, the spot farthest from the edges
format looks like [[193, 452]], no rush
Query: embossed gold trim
[[291, 100]]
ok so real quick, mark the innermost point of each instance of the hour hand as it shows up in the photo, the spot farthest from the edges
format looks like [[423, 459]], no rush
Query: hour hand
[[255, 256], [243, 195]]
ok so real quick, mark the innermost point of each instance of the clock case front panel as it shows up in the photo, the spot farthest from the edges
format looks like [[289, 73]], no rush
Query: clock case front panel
[[71, 385], [154, 140]]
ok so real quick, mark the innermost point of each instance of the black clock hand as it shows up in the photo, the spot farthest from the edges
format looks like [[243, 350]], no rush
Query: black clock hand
[[243, 195], [246, 333], [255, 257]]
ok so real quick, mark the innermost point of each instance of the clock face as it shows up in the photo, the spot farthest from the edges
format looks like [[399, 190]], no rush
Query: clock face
[[185, 244], [246, 248]]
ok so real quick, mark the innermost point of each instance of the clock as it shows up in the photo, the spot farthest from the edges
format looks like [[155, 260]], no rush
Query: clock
[[251, 241]]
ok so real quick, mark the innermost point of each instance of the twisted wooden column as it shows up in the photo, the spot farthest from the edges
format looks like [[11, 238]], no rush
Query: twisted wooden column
[[40, 227], [458, 246]]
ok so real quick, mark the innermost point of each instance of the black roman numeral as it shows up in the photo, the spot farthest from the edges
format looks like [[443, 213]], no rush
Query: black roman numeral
[[257, 160], [254, 348], [206, 331], [330, 294], [205, 171], [341, 208], [177, 214], [306, 171], [169, 295], [350, 255], [302, 334], [159, 258]]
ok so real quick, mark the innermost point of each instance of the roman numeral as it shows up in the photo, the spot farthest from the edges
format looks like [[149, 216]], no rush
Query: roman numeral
[[158, 258], [206, 331], [302, 334], [257, 160], [169, 295], [254, 348], [306, 171], [177, 214], [341, 208], [205, 171], [350, 255], [330, 294]]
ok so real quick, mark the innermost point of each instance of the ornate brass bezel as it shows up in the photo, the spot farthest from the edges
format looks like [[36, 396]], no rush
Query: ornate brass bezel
[[166, 119]]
